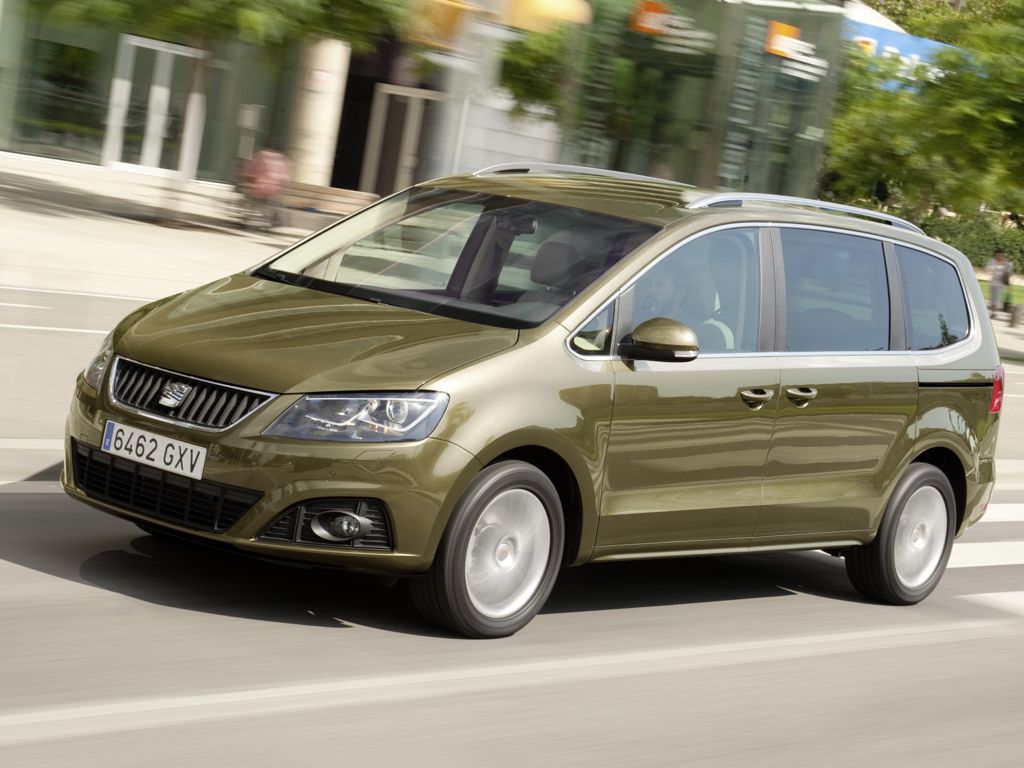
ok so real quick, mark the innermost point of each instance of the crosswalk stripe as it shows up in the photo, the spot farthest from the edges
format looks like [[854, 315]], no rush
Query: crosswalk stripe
[[1011, 602], [989, 553], [1004, 513]]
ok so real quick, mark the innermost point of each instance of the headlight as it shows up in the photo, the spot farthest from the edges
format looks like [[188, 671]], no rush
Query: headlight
[[386, 417], [94, 371]]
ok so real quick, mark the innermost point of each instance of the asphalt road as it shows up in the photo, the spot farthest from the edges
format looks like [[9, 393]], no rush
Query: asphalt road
[[118, 648]]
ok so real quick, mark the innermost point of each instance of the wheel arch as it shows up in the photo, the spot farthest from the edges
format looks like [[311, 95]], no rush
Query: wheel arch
[[947, 461], [562, 477]]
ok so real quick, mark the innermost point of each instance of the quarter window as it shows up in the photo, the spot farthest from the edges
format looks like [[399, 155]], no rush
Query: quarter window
[[934, 298], [711, 284], [595, 337], [837, 292]]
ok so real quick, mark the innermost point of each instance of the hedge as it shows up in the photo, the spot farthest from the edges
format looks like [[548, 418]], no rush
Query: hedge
[[978, 238]]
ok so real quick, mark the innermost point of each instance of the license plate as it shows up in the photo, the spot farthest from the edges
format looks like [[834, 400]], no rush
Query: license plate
[[155, 450]]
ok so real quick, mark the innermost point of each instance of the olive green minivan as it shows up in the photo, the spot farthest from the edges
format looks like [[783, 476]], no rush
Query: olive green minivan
[[484, 378]]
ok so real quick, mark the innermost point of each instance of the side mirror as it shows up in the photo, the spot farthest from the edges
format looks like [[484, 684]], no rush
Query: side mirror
[[661, 339]]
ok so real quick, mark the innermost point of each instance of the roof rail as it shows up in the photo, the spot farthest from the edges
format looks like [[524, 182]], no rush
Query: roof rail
[[580, 170], [724, 199]]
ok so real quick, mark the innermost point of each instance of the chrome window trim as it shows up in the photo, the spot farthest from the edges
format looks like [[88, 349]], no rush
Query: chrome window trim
[[971, 331], [111, 398]]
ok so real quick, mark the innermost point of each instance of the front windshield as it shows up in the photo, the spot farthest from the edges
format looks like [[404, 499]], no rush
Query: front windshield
[[487, 258]]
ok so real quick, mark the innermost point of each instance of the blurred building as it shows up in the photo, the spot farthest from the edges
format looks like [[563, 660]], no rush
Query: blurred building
[[90, 95], [719, 93]]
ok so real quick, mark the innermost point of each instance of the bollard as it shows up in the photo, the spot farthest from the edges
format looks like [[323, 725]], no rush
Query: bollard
[[1016, 315]]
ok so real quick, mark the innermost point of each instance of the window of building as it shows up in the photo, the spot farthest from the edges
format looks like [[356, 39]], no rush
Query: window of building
[[837, 292], [934, 298]]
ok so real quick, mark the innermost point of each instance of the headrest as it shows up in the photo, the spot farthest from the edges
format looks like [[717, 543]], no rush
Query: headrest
[[556, 264]]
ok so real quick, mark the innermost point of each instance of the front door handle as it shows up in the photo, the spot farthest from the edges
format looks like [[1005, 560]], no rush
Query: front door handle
[[801, 396], [755, 398]]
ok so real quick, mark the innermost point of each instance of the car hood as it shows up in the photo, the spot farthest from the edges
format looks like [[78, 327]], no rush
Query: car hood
[[281, 338]]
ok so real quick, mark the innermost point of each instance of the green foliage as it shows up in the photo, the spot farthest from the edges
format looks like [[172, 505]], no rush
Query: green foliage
[[954, 142], [941, 20], [887, 147], [978, 237], [263, 22], [534, 69]]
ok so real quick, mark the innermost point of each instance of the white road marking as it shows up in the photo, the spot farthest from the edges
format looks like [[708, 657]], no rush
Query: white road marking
[[31, 444], [1004, 513], [1010, 602], [50, 328], [30, 486], [988, 553], [130, 714], [23, 306], [75, 293]]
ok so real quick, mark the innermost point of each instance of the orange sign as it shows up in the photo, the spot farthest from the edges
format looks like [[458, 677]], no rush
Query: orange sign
[[781, 38], [649, 17]]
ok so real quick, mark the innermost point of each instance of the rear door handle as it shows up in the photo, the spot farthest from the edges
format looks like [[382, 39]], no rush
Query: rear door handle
[[757, 397], [801, 396]]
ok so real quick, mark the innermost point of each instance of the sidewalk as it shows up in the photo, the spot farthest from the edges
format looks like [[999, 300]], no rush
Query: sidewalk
[[1009, 340], [42, 184]]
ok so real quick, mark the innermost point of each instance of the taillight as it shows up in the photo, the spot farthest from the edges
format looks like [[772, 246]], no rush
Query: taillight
[[997, 390]]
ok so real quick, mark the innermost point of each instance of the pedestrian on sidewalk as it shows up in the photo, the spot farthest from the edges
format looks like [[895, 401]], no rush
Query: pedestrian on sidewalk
[[999, 270], [265, 175]]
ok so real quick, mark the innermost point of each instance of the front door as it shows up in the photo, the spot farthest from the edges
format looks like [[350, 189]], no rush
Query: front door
[[689, 441], [156, 111]]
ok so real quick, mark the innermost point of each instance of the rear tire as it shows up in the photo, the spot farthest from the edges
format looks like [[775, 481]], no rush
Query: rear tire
[[908, 556], [499, 556]]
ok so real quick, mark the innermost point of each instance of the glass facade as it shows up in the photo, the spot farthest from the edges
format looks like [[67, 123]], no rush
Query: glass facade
[[728, 95], [95, 96]]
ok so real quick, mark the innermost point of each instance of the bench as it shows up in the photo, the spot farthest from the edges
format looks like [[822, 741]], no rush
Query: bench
[[311, 197]]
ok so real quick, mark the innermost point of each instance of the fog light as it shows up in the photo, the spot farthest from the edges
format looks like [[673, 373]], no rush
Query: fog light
[[339, 526]]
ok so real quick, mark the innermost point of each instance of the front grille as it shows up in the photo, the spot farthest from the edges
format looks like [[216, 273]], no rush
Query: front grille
[[208, 404], [197, 504], [296, 525]]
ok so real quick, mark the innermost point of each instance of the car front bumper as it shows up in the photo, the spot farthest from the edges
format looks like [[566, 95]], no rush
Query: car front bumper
[[417, 484]]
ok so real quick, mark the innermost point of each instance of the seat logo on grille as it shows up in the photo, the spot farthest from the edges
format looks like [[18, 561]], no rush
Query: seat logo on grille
[[174, 393]]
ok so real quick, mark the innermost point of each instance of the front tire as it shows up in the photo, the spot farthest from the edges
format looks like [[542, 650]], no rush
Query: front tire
[[499, 556], [908, 556]]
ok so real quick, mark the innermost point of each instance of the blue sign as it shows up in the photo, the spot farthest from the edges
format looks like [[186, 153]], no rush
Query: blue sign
[[912, 51]]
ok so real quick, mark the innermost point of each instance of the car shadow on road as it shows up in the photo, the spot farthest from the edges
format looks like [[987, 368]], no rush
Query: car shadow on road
[[678, 581], [60, 538]]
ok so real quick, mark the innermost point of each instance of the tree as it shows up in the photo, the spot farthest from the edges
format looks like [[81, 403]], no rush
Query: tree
[[947, 22], [887, 148], [262, 22], [951, 141]]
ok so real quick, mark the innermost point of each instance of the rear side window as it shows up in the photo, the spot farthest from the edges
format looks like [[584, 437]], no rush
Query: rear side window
[[936, 307], [837, 292]]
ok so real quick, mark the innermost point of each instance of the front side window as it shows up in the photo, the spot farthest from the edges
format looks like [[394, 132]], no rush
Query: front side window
[[711, 284], [475, 256], [934, 298], [837, 292]]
